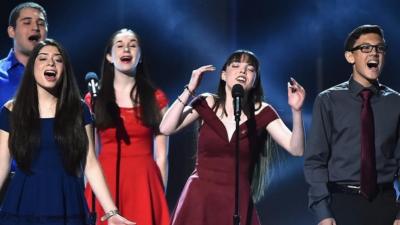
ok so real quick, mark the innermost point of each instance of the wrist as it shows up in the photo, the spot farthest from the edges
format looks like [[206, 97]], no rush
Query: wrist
[[294, 110], [109, 214], [191, 91]]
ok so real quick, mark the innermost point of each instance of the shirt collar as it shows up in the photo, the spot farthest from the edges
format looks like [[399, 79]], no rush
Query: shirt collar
[[356, 88], [12, 60]]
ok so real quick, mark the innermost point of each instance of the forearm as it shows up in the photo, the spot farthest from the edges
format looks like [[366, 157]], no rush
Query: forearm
[[98, 184], [297, 138], [317, 176], [4, 171], [5, 158], [174, 115], [162, 163]]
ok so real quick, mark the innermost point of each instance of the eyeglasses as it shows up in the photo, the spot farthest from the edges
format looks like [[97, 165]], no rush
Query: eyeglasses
[[367, 48]]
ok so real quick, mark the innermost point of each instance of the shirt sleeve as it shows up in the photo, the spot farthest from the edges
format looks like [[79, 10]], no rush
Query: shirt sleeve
[[5, 119], [316, 159], [88, 100], [161, 98]]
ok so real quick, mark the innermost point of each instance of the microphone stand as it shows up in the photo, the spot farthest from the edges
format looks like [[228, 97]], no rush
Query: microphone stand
[[93, 214], [236, 216]]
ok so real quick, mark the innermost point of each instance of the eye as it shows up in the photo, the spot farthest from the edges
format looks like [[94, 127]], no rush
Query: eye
[[41, 23], [365, 47], [251, 68], [381, 48]]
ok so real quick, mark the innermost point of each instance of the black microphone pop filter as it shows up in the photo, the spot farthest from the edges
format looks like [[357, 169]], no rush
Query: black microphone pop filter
[[237, 91], [91, 75]]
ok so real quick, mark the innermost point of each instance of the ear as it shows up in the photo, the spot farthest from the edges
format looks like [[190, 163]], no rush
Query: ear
[[11, 31], [109, 58], [349, 57], [223, 75]]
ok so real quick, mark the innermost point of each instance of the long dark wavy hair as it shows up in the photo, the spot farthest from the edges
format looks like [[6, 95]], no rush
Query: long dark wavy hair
[[106, 108], [264, 154], [69, 132]]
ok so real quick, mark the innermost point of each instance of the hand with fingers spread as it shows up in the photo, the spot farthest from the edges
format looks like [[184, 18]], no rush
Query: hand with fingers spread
[[296, 95], [197, 75]]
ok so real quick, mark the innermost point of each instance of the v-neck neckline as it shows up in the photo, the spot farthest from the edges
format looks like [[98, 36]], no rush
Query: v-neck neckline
[[223, 127]]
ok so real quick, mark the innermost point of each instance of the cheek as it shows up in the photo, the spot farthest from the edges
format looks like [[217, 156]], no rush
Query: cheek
[[253, 79], [60, 69]]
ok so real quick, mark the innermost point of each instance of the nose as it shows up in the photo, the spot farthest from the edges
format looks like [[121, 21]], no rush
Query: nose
[[35, 27], [243, 69], [126, 49], [375, 50], [51, 62]]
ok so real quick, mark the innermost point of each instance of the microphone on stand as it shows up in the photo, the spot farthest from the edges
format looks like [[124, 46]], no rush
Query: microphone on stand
[[93, 86], [93, 83], [237, 94]]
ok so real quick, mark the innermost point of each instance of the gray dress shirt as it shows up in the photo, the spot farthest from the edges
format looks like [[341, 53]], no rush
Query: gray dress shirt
[[333, 147]]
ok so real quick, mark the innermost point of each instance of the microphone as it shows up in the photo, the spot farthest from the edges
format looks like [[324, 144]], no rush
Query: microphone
[[237, 94], [93, 83]]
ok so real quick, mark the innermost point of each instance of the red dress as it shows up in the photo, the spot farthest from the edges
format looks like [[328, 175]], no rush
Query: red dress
[[208, 196], [141, 191]]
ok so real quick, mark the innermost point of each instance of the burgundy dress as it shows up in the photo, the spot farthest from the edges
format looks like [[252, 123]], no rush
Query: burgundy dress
[[208, 196]]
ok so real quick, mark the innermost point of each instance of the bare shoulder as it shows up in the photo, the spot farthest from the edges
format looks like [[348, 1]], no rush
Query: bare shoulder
[[260, 107], [9, 105], [210, 98]]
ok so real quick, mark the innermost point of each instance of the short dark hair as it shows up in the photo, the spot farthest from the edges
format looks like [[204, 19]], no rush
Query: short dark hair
[[357, 32], [14, 14]]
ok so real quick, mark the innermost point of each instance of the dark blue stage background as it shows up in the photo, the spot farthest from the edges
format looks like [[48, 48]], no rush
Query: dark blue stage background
[[299, 38]]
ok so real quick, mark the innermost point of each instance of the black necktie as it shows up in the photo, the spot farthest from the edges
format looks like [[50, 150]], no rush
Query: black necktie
[[368, 165]]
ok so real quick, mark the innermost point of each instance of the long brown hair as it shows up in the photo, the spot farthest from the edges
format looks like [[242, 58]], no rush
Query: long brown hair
[[106, 108], [69, 132]]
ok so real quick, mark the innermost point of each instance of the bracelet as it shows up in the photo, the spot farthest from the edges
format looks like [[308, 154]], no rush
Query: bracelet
[[109, 214], [180, 101], [192, 93]]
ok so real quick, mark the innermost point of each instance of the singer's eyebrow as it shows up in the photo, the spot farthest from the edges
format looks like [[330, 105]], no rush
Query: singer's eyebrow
[[132, 40], [29, 18], [45, 53]]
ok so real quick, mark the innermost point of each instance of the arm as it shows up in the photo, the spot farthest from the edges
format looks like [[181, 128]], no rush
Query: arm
[[293, 142], [178, 115], [316, 162], [5, 158], [98, 183], [161, 154]]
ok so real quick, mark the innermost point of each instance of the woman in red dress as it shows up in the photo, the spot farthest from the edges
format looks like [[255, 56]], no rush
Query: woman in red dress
[[128, 111], [208, 197]]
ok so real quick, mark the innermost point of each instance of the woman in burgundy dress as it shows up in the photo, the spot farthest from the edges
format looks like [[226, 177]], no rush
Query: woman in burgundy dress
[[208, 196]]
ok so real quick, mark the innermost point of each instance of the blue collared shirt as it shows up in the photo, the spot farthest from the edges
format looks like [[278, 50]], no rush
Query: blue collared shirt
[[11, 71]]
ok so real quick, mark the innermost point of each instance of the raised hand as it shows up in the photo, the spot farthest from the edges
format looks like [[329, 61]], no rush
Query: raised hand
[[296, 94], [197, 75]]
